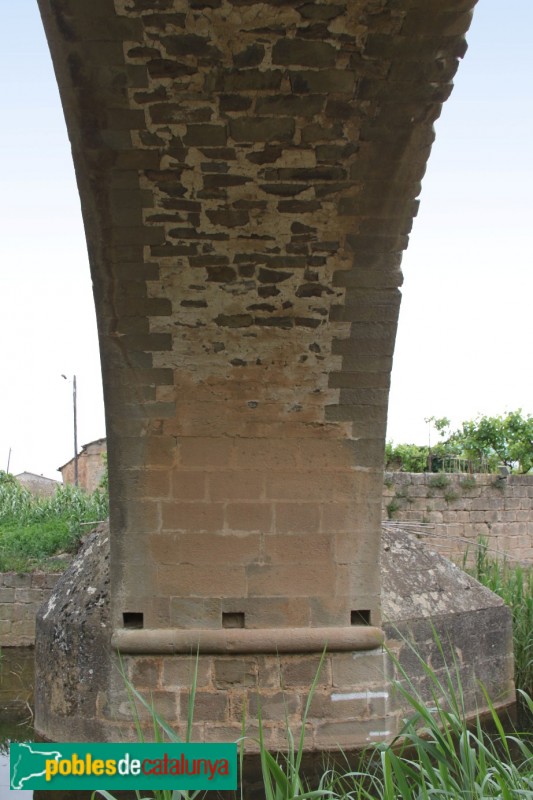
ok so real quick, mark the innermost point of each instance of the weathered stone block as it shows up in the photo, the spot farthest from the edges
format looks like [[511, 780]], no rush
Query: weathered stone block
[[252, 56], [191, 612], [302, 672], [210, 706], [205, 135], [290, 105], [234, 672], [6, 611], [322, 81], [297, 548], [273, 706], [13, 580], [219, 548], [282, 580], [262, 130], [145, 673], [234, 102], [249, 516], [202, 581], [194, 516], [274, 610], [245, 80], [307, 54], [297, 517]]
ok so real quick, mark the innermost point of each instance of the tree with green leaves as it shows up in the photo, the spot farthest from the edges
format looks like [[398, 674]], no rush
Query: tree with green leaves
[[487, 442], [505, 439]]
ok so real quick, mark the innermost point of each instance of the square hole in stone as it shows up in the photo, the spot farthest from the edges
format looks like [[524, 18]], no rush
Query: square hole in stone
[[233, 619], [133, 619], [360, 617]]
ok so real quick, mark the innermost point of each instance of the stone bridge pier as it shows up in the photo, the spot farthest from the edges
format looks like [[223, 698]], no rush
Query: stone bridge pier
[[248, 173]]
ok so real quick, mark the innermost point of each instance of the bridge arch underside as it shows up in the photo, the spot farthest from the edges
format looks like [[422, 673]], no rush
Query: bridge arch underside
[[248, 173]]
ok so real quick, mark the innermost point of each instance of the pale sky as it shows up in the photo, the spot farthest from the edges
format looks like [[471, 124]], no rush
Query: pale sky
[[463, 345]]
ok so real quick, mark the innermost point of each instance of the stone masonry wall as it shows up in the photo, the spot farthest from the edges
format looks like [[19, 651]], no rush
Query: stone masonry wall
[[20, 597], [457, 509], [454, 517], [81, 692], [248, 174]]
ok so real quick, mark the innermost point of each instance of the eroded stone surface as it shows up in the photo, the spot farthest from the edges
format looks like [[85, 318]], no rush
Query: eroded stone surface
[[72, 653], [248, 174], [81, 691], [436, 616], [419, 583]]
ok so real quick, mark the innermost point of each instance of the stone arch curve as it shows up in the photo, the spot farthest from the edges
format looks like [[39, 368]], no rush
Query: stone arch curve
[[248, 173]]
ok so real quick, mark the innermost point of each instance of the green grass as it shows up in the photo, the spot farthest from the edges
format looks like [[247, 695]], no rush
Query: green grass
[[33, 530], [514, 584]]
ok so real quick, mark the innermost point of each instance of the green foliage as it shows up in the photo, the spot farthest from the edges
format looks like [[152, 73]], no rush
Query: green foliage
[[499, 483], [393, 507], [505, 439], [451, 495], [32, 529], [441, 424], [467, 484], [406, 457], [7, 479], [515, 586], [437, 754], [482, 444], [440, 481]]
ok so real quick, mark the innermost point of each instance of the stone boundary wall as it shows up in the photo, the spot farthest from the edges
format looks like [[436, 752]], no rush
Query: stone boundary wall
[[456, 509], [20, 597]]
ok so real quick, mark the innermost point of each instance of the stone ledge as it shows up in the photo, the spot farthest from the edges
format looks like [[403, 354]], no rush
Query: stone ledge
[[265, 640]]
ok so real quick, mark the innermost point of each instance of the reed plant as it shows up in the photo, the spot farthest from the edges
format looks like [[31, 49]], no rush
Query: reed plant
[[161, 732], [437, 754], [282, 773], [33, 529], [514, 584]]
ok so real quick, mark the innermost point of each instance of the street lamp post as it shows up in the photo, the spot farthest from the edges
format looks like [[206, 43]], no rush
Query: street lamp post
[[75, 410]]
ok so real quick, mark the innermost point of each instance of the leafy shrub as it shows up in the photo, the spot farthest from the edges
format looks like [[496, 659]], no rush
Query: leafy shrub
[[440, 481], [406, 457], [393, 507], [467, 484]]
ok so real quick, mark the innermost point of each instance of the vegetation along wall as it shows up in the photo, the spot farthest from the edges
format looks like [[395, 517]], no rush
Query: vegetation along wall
[[457, 509], [450, 511]]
